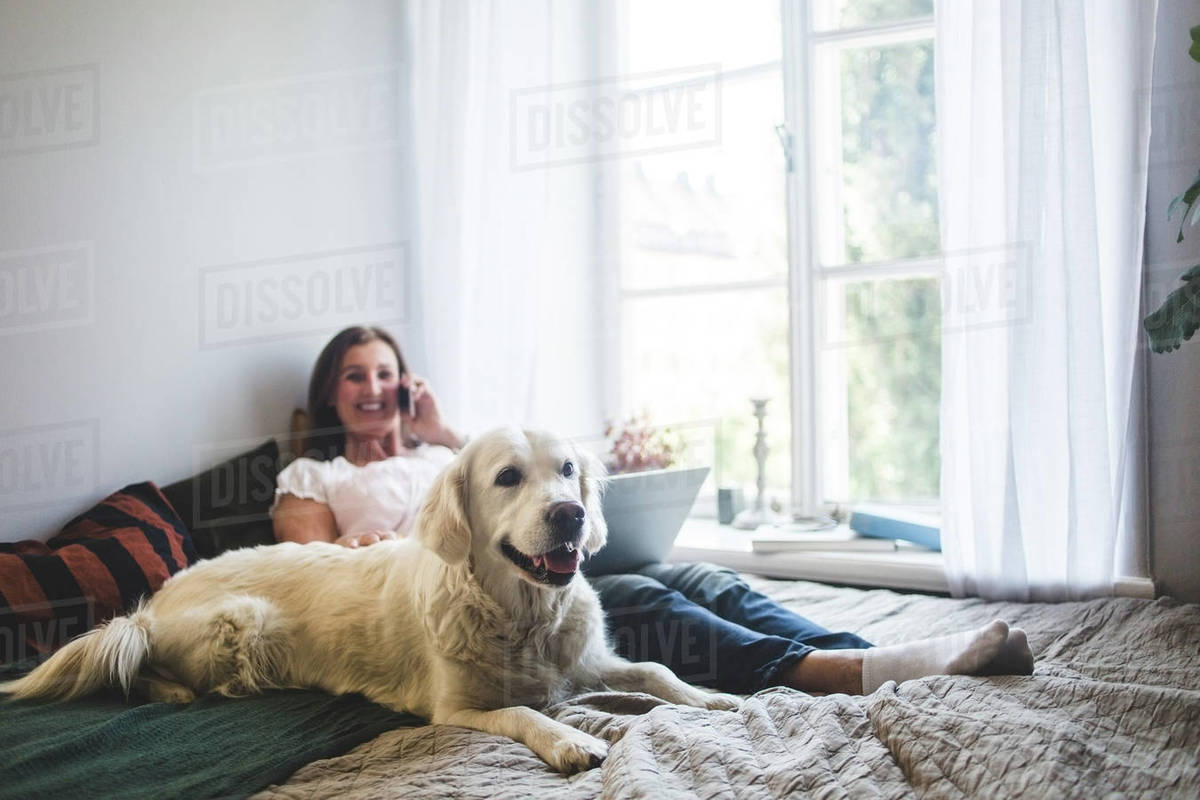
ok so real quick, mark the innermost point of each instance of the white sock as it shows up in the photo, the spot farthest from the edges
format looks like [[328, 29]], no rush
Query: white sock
[[963, 653]]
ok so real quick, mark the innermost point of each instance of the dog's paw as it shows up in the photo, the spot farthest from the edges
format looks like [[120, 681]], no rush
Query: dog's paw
[[160, 691], [577, 753], [712, 701], [174, 694], [722, 702]]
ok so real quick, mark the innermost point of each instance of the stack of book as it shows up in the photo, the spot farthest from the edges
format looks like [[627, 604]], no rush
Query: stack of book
[[785, 540], [871, 529], [918, 526]]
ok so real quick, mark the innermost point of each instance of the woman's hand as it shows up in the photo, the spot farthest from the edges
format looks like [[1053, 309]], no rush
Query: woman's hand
[[301, 520], [426, 422], [364, 538]]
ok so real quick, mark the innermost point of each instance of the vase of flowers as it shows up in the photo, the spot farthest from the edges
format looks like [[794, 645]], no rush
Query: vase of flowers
[[635, 445]]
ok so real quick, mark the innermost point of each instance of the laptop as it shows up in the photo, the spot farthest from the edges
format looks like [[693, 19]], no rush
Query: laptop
[[644, 512]]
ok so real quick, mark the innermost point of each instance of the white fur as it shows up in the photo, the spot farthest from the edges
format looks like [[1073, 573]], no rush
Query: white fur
[[442, 625]]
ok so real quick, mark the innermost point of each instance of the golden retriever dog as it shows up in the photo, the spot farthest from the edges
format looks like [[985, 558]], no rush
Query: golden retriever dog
[[476, 621]]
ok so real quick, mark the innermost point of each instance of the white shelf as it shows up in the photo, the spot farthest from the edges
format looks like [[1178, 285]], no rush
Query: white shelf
[[907, 568]]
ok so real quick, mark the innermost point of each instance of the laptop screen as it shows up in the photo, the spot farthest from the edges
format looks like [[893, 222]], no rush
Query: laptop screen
[[644, 512]]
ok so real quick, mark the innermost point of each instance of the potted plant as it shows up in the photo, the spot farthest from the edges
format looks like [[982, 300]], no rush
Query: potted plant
[[1179, 315]]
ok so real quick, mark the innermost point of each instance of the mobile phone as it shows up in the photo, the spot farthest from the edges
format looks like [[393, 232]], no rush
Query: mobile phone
[[404, 401]]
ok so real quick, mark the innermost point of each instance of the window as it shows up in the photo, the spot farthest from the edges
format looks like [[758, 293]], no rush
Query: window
[[703, 243], [795, 256], [864, 79]]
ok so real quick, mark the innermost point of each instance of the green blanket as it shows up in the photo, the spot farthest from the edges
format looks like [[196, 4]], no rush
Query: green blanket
[[102, 746]]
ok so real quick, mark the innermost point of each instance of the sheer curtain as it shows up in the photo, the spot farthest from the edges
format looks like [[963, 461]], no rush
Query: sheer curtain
[[506, 318], [1043, 133]]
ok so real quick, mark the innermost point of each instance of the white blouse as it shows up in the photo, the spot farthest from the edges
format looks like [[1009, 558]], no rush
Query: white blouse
[[382, 495]]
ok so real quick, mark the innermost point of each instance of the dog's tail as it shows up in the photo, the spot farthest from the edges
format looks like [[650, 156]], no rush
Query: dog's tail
[[108, 656]]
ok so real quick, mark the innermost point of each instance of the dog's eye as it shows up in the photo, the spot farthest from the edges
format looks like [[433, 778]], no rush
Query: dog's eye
[[509, 476], [568, 469]]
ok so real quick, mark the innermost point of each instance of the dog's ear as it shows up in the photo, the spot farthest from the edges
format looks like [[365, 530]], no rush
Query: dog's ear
[[592, 480], [442, 523]]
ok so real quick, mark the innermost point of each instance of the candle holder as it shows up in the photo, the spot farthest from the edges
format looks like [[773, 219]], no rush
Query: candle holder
[[751, 518]]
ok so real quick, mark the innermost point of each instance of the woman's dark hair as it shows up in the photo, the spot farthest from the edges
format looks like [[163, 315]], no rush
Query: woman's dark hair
[[327, 435]]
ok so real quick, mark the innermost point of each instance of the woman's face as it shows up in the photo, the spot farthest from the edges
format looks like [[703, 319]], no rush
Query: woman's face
[[365, 397]]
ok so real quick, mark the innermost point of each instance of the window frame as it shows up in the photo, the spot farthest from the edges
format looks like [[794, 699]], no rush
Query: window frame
[[619, 295], [808, 275]]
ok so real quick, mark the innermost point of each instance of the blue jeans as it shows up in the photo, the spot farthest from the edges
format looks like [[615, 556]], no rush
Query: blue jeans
[[708, 626]]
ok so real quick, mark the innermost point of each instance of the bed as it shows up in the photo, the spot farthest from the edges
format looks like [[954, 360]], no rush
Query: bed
[[1112, 710]]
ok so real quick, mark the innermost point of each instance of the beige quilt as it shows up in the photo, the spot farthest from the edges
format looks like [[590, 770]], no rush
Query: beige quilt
[[1112, 710]]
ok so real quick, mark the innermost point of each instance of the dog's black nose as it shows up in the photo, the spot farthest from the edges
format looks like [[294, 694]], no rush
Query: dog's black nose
[[566, 518]]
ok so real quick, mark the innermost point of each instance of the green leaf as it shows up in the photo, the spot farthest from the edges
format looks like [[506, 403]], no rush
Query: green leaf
[[1175, 203], [1192, 192], [1187, 199], [1182, 222], [1194, 50], [1178, 317]]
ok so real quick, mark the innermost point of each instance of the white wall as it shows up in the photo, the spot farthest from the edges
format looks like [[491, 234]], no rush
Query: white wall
[[143, 145], [1174, 379], [120, 209]]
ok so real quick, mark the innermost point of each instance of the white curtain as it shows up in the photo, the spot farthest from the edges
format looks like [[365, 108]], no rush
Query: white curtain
[[505, 316], [1043, 132]]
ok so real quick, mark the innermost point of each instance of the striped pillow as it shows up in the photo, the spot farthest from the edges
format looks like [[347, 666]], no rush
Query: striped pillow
[[101, 563]]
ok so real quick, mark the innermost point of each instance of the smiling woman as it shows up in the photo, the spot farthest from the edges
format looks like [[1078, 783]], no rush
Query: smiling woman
[[370, 458]]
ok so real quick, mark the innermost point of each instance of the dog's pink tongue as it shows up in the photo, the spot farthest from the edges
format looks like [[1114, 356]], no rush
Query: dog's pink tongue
[[562, 561]]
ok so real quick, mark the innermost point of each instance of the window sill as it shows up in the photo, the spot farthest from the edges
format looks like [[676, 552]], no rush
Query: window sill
[[911, 568], [908, 568]]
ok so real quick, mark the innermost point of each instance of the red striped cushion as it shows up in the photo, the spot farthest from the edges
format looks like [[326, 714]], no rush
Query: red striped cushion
[[101, 564]]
